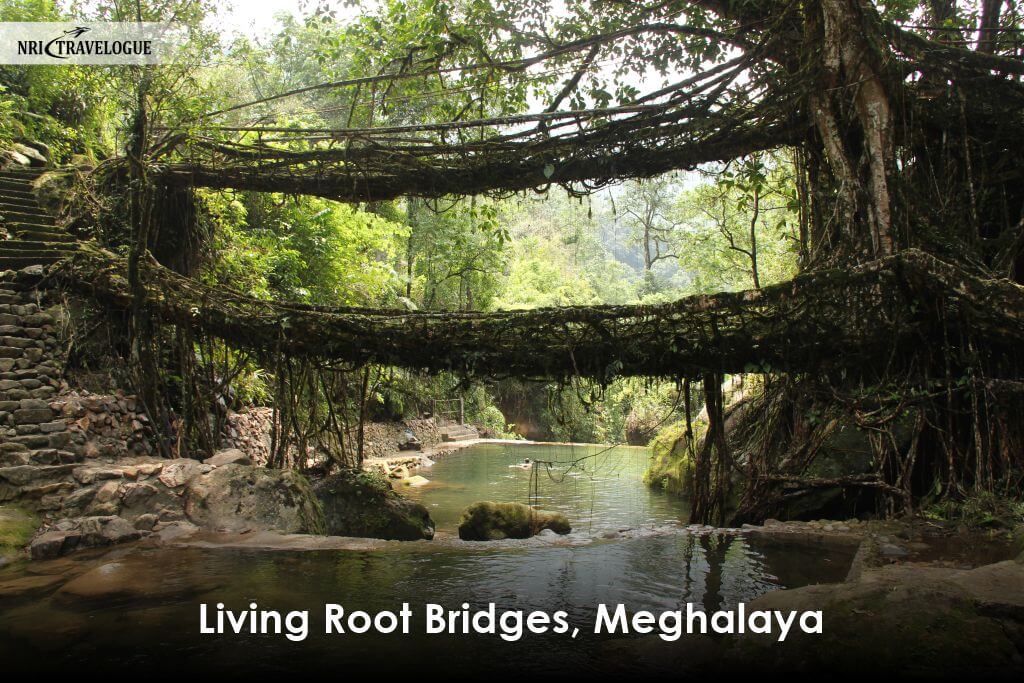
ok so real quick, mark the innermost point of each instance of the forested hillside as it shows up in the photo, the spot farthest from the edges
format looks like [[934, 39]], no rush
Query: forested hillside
[[726, 227]]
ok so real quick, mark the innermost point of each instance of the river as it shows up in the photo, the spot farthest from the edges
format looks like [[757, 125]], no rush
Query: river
[[629, 545]]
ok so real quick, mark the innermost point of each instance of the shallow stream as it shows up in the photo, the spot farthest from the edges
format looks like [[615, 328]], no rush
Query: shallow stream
[[629, 545]]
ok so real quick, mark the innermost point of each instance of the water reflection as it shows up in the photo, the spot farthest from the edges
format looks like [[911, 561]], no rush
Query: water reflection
[[653, 573]]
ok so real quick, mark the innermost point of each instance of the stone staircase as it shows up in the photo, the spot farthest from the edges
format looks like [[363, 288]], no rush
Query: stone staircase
[[32, 237], [32, 433], [459, 432]]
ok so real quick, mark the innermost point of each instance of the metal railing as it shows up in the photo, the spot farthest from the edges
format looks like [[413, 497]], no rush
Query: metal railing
[[450, 409]]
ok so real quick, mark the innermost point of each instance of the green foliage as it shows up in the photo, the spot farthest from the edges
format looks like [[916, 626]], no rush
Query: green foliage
[[308, 249], [481, 410], [466, 254], [541, 274], [453, 258], [628, 410], [742, 215], [87, 109], [985, 509], [64, 107], [491, 419]]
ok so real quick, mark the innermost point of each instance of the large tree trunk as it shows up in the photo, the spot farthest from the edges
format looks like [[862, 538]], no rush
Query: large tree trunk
[[858, 140]]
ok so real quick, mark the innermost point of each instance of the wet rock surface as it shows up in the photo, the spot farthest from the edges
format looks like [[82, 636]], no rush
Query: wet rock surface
[[83, 532], [130, 578], [903, 618]]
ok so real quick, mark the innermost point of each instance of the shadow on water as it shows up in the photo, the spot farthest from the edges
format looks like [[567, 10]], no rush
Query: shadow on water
[[150, 614]]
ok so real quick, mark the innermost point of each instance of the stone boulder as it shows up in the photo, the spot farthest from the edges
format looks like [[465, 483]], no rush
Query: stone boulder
[[487, 521], [846, 451], [134, 579], [237, 498], [179, 472], [363, 504], [82, 532], [10, 159], [16, 526], [228, 456], [34, 156], [906, 619]]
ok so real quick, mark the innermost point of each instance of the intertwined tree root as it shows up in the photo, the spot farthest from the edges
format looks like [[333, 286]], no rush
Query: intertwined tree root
[[824, 321]]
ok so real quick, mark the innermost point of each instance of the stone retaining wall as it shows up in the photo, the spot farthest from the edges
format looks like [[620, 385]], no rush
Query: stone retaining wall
[[85, 462], [33, 431], [381, 439], [249, 431]]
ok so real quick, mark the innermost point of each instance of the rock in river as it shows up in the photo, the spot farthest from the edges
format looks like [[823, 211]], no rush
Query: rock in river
[[82, 532], [486, 521], [363, 504]]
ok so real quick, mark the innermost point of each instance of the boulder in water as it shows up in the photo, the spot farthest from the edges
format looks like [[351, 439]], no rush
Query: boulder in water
[[74, 533], [487, 521], [362, 504], [238, 498]]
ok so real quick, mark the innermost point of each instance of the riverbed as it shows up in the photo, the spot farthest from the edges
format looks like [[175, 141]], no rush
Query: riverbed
[[629, 545]]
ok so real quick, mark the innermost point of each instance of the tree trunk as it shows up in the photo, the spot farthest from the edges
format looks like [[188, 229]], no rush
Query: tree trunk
[[858, 147]]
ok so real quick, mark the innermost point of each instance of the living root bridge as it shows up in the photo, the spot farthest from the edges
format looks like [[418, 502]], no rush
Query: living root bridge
[[831, 320]]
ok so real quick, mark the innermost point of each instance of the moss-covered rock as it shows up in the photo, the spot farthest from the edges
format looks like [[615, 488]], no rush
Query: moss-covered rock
[[363, 504], [487, 521], [16, 527], [242, 498], [671, 468]]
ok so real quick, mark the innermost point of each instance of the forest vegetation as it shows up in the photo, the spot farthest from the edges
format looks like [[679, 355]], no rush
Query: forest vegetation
[[819, 159]]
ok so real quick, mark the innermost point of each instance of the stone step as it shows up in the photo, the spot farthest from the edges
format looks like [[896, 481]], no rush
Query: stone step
[[33, 172], [459, 433], [458, 437], [35, 245], [30, 173], [6, 252], [44, 392], [458, 428], [19, 262], [16, 228], [27, 204], [8, 185], [19, 194], [27, 218], [24, 178], [24, 170], [36, 234]]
